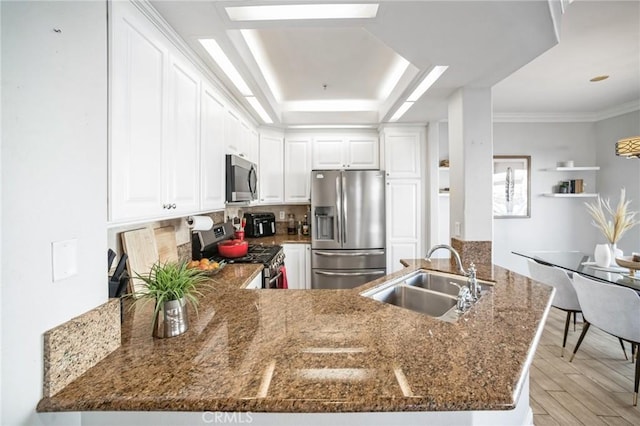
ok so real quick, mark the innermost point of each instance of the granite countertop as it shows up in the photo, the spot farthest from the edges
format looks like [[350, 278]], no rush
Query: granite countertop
[[320, 351]]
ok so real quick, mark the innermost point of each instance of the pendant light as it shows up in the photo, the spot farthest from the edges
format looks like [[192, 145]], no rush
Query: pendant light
[[629, 147]]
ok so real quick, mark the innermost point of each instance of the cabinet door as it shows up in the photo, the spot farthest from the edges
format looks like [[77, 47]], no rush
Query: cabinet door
[[212, 152], [232, 132], [271, 169], [138, 80], [403, 221], [328, 153], [362, 152], [307, 266], [297, 170], [294, 259], [402, 154], [182, 148]]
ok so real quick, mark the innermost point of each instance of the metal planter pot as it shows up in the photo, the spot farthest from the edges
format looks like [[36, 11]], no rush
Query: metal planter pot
[[172, 319]]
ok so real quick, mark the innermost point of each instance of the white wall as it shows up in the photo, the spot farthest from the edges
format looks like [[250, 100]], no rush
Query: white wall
[[618, 172], [54, 182], [555, 223]]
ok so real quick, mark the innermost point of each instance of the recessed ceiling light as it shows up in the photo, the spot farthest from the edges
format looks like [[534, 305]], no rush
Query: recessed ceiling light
[[257, 50], [213, 49], [332, 126], [398, 68], [428, 81], [341, 105], [257, 106], [302, 11], [599, 78], [400, 112]]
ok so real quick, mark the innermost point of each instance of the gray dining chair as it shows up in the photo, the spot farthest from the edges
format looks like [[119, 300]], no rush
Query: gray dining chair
[[565, 298], [612, 308]]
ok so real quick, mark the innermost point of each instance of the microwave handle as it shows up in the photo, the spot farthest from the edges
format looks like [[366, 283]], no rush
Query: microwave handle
[[253, 181]]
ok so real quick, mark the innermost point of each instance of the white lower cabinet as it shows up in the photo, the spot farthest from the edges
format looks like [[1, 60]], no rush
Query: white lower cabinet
[[403, 200], [255, 283], [297, 259]]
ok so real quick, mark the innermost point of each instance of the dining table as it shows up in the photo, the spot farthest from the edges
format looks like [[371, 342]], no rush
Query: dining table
[[583, 264]]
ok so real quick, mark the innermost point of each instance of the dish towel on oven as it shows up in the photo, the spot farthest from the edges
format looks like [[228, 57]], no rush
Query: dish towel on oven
[[283, 281]]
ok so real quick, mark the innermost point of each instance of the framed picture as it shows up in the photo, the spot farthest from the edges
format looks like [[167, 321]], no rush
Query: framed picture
[[511, 186]]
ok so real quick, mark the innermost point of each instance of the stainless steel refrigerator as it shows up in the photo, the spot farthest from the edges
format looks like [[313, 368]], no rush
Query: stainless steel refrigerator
[[348, 228]]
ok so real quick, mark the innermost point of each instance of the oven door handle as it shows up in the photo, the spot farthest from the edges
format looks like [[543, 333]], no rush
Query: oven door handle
[[276, 277]]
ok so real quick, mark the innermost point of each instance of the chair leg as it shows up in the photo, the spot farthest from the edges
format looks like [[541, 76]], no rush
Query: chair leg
[[636, 381], [623, 350], [584, 332], [575, 314], [566, 331]]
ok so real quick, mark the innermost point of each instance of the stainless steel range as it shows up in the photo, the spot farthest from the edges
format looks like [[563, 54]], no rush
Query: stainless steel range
[[205, 244]]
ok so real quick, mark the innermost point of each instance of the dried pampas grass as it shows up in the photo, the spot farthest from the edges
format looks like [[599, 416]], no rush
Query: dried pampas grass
[[620, 220]]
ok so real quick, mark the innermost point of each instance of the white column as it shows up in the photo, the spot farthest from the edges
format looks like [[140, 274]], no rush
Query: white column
[[471, 164]]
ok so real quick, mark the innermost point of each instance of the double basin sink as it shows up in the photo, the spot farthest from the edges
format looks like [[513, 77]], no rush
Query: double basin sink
[[427, 292]]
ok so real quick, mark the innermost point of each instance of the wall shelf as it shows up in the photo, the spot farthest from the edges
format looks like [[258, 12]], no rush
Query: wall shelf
[[572, 169], [561, 195]]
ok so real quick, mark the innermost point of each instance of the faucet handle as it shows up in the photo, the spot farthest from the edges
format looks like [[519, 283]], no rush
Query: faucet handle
[[472, 270]]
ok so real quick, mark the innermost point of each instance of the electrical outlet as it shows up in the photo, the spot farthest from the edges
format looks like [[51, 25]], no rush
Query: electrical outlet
[[281, 215], [456, 229]]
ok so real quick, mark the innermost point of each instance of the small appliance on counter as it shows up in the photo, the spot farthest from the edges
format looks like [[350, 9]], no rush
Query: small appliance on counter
[[260, 225], [206, 244]]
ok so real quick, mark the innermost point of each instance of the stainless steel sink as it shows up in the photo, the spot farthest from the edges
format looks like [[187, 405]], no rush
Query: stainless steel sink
[[441, 283], [427, 292], [417, 299]]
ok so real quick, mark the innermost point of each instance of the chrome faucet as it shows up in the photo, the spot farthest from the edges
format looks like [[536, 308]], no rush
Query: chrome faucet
[[474, 286], [452, 250]]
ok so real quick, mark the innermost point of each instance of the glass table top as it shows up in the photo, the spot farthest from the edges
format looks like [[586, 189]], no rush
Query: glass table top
[[575, 261]]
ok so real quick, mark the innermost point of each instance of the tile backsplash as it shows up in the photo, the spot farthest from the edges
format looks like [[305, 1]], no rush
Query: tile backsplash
[[298, 210]]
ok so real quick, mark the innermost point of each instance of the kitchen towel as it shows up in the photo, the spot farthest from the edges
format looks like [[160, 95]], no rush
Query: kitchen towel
[[200, 223], [283, 281]]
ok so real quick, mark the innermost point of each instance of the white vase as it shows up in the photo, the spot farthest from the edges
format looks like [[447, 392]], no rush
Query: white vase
[[602, 255]]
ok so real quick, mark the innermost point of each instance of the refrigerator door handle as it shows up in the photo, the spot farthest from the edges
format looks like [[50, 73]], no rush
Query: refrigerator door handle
[[370, 253], [339, 210], [347, 274], [344, 208]]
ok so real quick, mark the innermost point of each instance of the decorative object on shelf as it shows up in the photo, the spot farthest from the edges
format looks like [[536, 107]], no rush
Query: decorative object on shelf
[[511, 186], [568, 163], [629, 147], [444, 163], [171, 286], [602, 255], [613, 223]]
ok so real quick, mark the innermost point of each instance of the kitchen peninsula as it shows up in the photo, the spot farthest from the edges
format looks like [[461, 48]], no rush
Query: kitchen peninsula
[[318, 353]]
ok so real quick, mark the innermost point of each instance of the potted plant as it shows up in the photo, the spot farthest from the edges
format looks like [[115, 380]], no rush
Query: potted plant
[[171, 286], [613, 224]]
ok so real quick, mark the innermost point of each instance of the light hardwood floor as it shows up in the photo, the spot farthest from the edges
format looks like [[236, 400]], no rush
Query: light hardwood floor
[[595, 389]]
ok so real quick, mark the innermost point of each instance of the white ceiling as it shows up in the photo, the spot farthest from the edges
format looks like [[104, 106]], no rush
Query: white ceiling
[[508, 45]]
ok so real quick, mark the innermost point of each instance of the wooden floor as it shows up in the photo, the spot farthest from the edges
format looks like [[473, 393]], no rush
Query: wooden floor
[[595, 389]]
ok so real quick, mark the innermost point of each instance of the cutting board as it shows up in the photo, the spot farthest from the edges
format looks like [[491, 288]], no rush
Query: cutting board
[[166, 244], [140, 246]]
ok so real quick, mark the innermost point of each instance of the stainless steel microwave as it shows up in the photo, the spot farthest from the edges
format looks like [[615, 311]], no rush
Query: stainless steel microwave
[[241, 179]]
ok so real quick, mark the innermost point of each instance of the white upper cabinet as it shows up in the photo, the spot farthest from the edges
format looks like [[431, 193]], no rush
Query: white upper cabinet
[[328, 152], [139, 81], [182, 166], [212, 151], [346, 152], [271, 169], [402, 153], [297, 169], [362, 152], [169, 131]]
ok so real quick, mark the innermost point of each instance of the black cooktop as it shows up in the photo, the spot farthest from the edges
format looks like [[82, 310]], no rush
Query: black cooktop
[[256, 254]]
